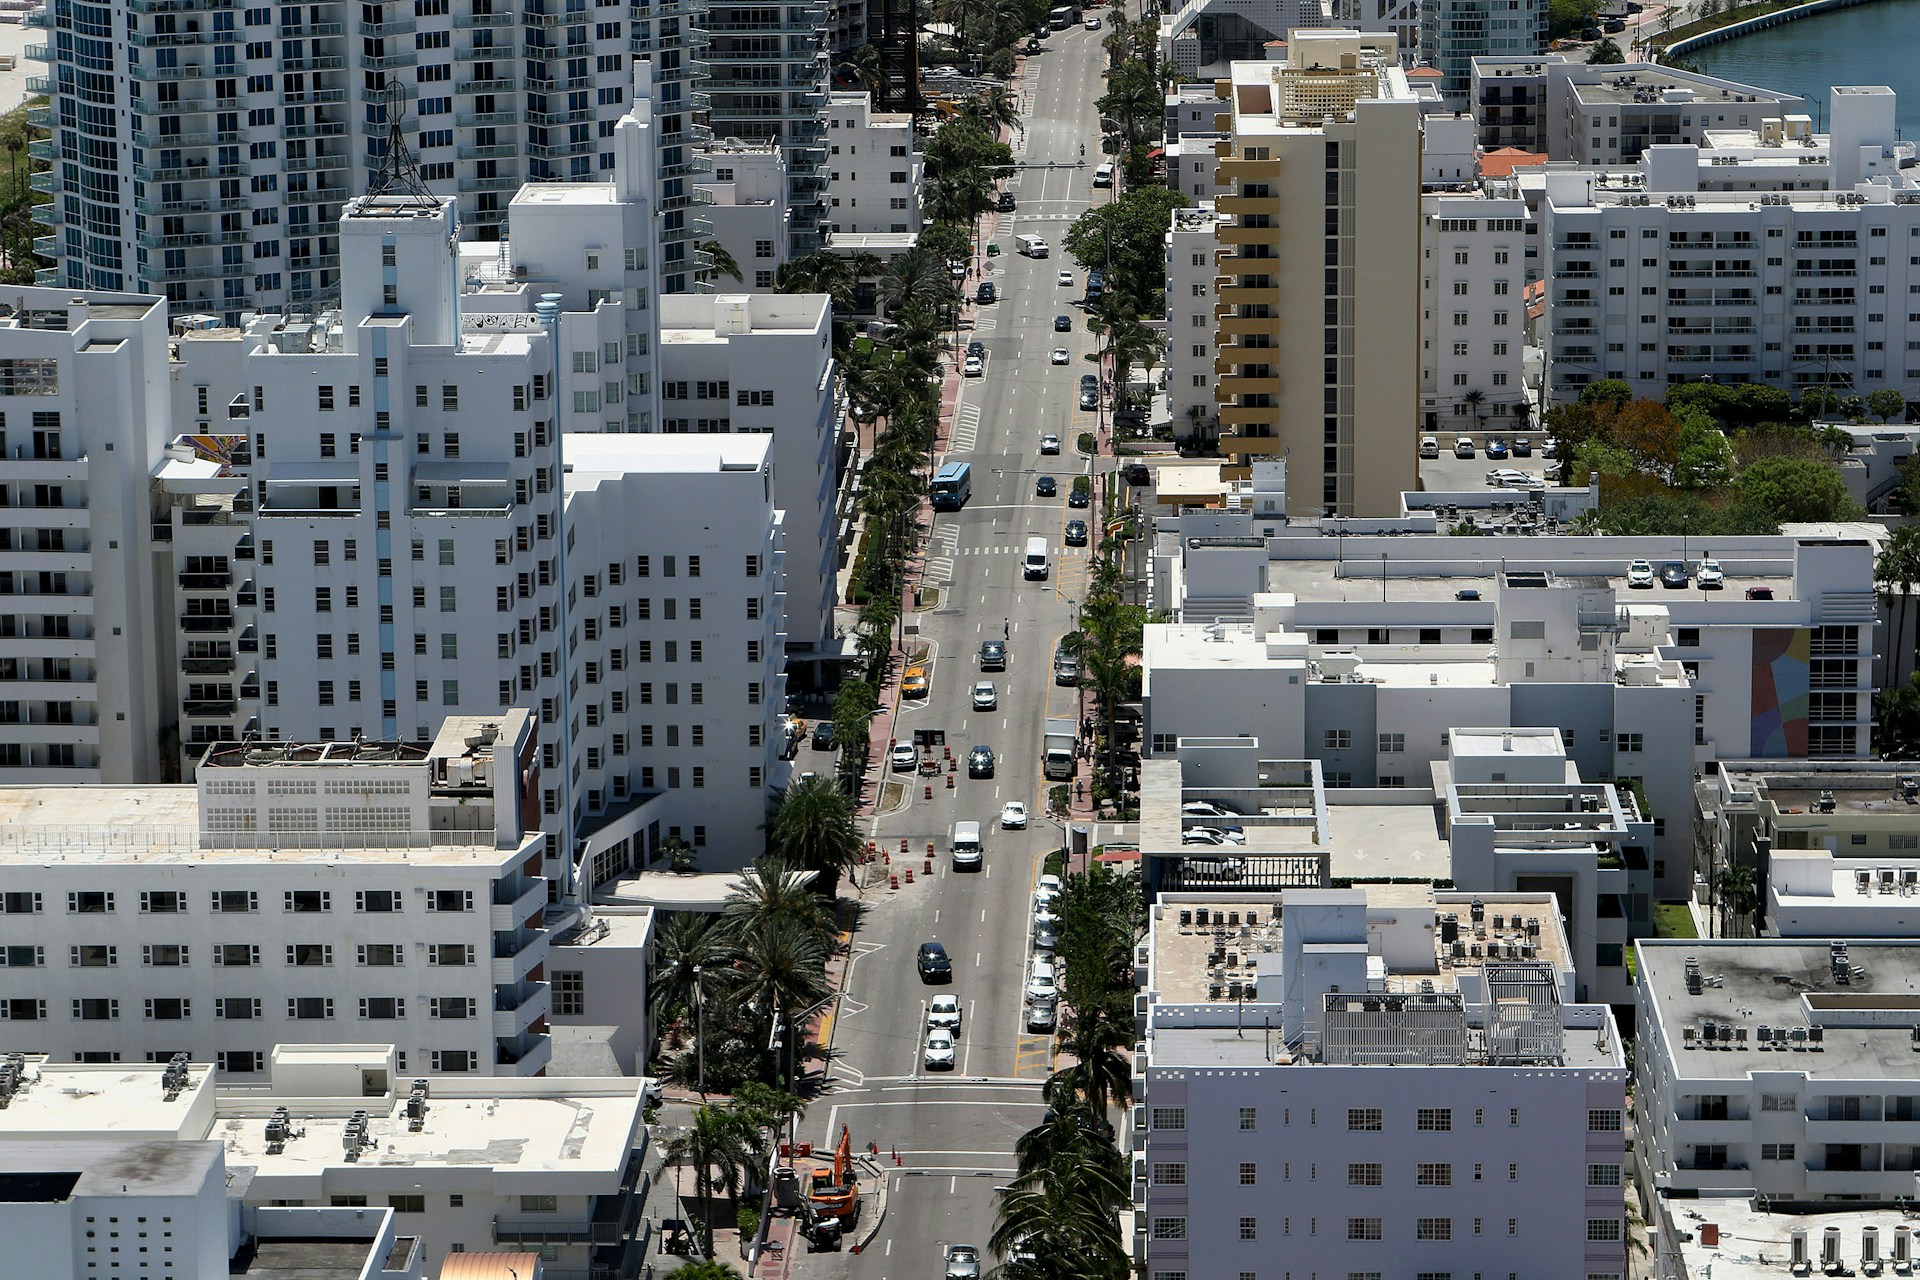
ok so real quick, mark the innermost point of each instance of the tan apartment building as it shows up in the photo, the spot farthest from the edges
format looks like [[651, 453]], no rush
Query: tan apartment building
[[1318, 335]]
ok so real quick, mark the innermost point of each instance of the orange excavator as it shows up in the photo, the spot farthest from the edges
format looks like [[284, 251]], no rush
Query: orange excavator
[[835, 1191]]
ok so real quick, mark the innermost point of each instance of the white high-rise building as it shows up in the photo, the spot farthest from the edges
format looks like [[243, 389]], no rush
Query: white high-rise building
[[745, 211], [763, 363], [295, 889], [208, 155], [1473, 312], [86, 628], [1337, 1085], [873, 182], [1191, 243], [1454, 32]]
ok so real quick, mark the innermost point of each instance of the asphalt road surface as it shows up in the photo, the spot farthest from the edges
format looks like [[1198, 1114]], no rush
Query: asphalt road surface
[[954, 1130]]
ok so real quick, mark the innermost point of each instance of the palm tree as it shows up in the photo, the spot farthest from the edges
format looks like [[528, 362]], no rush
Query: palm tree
[[772, 889], [813, 831], [1898, 565], [961, 13], [723, 262], [1065, 1200], [779, 968], [1474, 399], [864, 67], [915, 279], [1099, 1076], [1132, 99], [995, 108], [1736, 898], [687, 958], [718, 1147]]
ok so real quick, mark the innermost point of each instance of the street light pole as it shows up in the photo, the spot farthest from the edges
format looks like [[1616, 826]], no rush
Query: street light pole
[[700, 1029]]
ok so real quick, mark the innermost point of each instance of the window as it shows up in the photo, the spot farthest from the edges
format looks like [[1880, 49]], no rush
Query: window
[[1363, 1228], [459, 1061], [305, 901], [1629, 741], [94, 956], [1169, 1229], [89, 902], [1603, 1229], [1363, 1175], [1603, 1121], [382, 1008], [407, 1204], [1433, 1229], [1364, 1120], [1249, 1119], [1172, 1173], [309, 1008], [569, 993], [1169, 1118], [1249, 1228], [377, 900], [164, 955], [1392, 743], [1434, 1120], [163, 902], [1768, 1151], [380, 955], [307, 955], [1433, 1175], [1337, 739], [1249, 1173]]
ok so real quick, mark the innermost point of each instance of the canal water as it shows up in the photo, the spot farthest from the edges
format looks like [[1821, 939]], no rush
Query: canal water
[[1875, 43]]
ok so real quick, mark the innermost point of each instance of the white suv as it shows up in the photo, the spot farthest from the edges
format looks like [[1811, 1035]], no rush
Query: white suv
[[904, 755]]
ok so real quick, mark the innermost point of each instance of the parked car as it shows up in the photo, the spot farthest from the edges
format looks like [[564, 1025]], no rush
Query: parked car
[[1078, 497], [1759, 593], [984, 698], [1212, 835], [1640, 574], [1089, 398], [975, 347], [1208, 809], [914, 683], [904, 755], [1049, 442], [1506, 477], [973, 367], [1709, 576], [986, 292], [943, 1013], [1467, 593], [980, 762], [1042, 984], [1076, 534], [1048, 886], [1673, 575], [1066, 669], [1044, 487], [934, 963], [993, 655], [1496, 448], [1137, 473], [939, 1050], [1522, 447], [1013, 816], [1463, 447], [1042, 1015], [1429, 447], [1046, 937], [823, 735]]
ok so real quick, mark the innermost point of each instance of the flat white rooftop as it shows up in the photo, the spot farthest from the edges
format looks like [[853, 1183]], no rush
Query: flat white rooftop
[[1388, 840], [1757, 1245], [104, 1100]]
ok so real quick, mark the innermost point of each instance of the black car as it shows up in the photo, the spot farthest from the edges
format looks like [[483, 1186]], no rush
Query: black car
[[823, 735], [993, 655], [1063, 324], [934, 965], [1076, 532], [1138, 473], [1077, 498], [1044, 487], [1467, 593], [986, 292], [1673, 574], [1522, 447], [980, 762], [977, 348], [1006, 202], [1089, 399]]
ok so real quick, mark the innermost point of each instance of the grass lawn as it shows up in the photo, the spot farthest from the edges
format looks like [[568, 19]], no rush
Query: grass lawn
[[1673, 920]]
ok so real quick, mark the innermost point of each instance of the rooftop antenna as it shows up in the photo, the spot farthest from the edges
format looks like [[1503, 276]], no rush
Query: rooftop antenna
[[398, 174]]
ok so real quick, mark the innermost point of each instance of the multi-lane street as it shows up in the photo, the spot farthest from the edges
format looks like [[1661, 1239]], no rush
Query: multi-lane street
[[954, 1130]]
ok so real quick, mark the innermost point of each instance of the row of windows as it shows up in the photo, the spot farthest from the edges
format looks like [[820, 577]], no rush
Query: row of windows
[[1368, 1229], [1373, 1119], [239, 955], [242, 901], [239, 1008]]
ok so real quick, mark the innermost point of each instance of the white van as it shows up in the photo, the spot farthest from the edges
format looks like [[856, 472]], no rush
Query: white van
[[1032, 246], [1035, 564], [1103, 176], [968, 853]]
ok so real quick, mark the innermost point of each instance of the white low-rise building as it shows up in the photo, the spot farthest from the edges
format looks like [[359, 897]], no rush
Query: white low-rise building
[[294, 889], [1322, 1078], [552, 1167], [874, 166], [1190, 356], [743, 202], [1473, 316], [1779, 1068]]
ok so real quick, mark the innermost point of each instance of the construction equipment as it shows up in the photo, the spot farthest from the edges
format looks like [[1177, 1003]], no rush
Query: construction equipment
[[835, 1191]]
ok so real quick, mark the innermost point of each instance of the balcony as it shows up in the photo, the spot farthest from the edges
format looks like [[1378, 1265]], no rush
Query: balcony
[[487, 119], [515, 911], [612, 1218], [517, 954], [206, 623], [218, 580], [206, 709], [527, 1057], [499, 84], [481, 53], [1236, 233], [1234, 169], [515, 1009], [208, 666], [498, 151], [1247, 384], [1239, 205], [1248, 295], [391, 61], [390, 27]]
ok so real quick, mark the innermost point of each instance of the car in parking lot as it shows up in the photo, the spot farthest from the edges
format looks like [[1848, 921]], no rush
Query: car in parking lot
[[984, 698], [1042, 1015], [1063, 324], [1208, 809], [934, 964], [1066, 669], [1041, 984], [1212, 835], [993, 655], [1522, 447], [980, 762], [1710, 576], [1066, 279], [943, 1014], [1674, 575], [1507, 478], [1211, 868], [1496, 448], [973, 367], [1049, 442], [914, 683], [1013, 816], [963, 1262], [1429, 447], [1076, 534], [939, 1050], [1640, 575], [904, 755], [1059, 355], [1077, 496], [1463, 447], [1044, 487], [823, 735], [1759, 593], [1046, 937]]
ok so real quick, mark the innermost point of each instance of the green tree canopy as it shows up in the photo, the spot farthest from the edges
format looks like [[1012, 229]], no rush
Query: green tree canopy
[[1130, 235], [1796, 490], [1607, 391]]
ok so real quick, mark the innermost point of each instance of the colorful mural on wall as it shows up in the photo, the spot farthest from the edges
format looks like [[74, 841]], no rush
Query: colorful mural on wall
[[1780, 682]]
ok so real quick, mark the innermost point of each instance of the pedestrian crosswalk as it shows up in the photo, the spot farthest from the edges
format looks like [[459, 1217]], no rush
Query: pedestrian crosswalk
[[966, 430]]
